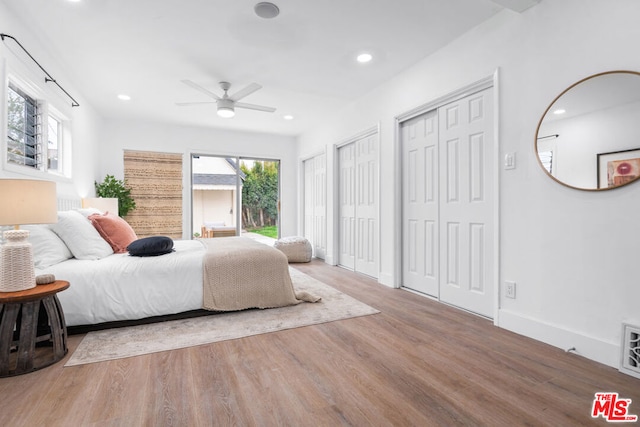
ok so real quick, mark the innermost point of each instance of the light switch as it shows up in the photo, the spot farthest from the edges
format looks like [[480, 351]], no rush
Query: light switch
[[510, 161]]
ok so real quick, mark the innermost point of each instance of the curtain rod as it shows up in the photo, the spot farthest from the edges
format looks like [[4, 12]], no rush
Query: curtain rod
[[48, 78]]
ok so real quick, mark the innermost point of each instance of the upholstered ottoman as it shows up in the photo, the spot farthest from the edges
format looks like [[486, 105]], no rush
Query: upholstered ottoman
[[297, 249]]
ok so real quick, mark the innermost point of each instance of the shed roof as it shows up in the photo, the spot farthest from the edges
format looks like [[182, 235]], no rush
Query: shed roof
[[214, 179]]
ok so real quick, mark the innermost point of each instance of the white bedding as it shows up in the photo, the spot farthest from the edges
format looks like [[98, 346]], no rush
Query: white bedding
[[124, 287]]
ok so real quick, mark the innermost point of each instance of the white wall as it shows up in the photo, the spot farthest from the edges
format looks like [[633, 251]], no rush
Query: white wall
[[213, 206], [85, 124], [123, 135], [570, 252]]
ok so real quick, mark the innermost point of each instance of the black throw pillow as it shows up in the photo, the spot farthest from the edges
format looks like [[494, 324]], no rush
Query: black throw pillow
[[151, 246]]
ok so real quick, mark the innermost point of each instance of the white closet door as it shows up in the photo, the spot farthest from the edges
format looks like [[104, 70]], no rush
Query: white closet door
[[320, 206], [315, 196], [347, 205], [367, 205], [358, 205], [466, 203], [309, 196], [420, 203], [448, 203]]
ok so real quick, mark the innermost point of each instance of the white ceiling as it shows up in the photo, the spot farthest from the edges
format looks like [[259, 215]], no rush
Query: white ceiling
[[304, 58]]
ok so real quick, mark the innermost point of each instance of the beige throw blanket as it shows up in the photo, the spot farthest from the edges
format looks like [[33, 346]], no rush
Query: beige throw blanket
[[240, 273]]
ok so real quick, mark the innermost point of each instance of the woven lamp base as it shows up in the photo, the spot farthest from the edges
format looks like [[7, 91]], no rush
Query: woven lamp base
[[16, 258]]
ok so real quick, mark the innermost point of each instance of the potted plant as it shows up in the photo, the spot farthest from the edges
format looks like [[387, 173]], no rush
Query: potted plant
[[112, 187]]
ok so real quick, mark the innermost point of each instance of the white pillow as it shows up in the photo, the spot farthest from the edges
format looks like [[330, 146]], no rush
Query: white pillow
[[82, 239], [48, 248], [87, 212]]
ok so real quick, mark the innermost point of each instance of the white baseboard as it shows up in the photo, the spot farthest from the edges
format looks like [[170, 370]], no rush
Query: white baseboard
[[328, 259], [603, 352], [387, 280]]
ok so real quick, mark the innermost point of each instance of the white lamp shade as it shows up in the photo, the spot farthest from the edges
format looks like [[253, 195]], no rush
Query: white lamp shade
[[23, 201], [103, 204], [27, 201]]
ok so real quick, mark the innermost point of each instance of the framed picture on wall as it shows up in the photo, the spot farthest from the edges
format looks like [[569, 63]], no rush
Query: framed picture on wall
[[618, 167]]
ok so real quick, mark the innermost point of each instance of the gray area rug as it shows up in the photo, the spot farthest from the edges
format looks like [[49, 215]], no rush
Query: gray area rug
[[131, 341]]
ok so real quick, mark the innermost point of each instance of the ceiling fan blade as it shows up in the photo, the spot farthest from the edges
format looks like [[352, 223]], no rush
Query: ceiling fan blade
[[186, 104], [245, 92], [255, 107], [200, 88]]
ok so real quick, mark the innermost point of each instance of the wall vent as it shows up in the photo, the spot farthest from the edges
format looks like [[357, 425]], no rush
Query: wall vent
[[630, 360]]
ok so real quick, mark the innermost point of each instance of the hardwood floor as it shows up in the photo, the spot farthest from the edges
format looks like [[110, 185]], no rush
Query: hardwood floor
[[416, 363]]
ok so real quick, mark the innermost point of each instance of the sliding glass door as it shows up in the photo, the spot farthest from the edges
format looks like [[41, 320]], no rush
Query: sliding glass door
[[233, 196]]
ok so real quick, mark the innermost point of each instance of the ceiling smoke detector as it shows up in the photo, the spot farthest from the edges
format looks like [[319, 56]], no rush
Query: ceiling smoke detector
[[266, 10]]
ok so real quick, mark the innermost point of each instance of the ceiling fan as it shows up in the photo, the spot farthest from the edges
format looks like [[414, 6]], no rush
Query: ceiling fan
[[227, 103]]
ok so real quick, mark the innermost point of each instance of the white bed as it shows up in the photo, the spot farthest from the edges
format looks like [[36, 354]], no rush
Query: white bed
[[123, 287], [108, 284]]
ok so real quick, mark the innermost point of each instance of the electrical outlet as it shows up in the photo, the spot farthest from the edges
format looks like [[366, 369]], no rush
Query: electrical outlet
[[510, 289]]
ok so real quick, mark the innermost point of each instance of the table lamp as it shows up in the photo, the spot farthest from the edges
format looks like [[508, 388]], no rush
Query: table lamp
[[23, 201]]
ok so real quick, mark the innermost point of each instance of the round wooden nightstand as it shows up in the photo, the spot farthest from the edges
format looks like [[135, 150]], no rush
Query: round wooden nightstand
[[30, 319]]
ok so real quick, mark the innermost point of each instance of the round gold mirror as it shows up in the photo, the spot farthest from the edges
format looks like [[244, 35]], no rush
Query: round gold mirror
[[589, 136]]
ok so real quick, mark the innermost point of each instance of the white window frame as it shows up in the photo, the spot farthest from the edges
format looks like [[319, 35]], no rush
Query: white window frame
[[64, 142]]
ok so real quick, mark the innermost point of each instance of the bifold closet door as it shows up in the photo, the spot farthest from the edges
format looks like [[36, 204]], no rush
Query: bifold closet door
[[347, 206], [467, 203], [359, 205], [420, 246], [448, 203], [367, 206]]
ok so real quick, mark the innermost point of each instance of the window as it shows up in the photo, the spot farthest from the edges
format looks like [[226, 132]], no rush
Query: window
[[54, 143], [35, 133], [227, 199], [23, 130], [546, 159]]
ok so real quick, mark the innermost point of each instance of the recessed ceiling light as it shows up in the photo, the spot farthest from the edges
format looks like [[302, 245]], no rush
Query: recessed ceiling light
[[288, 117], [124, 97], [559, 111], [266, 10], [365, 57]]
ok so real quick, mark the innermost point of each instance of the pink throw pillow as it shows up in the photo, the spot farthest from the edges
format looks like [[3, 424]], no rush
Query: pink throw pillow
[[115, 230]]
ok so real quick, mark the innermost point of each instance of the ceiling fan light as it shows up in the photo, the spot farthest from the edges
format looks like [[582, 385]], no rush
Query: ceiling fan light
[[225, 108], [226, 112]]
